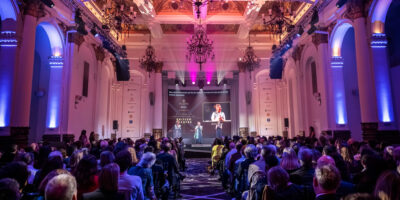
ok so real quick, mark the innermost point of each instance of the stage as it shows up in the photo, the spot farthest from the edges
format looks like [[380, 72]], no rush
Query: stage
[[198, 150]]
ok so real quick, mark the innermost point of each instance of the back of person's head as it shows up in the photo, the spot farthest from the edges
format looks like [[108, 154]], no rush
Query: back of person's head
[[75, 158], [56, 153], [388, 186], [108, 178], [132, 151], [61, 187], [86, 169], [49, 176], [271, 161], [305, 156], [124, 160], [289, 161], [16, 170], [360, 196], [325, 160], [268, 150], [25, 157], [166, 147], [231, 145], [239, 147], [148, 159], [327, 178], [106, 157], [9, 189], [278, 178], [250, 151]]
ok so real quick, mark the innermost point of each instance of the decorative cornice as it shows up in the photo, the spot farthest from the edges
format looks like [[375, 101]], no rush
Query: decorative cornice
[[76, 38], [298, 50], [33, 8], [355, 9]]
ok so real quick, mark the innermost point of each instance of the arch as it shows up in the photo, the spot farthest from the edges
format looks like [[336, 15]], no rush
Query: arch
[[337, 36], [377, 13], [55, 37]]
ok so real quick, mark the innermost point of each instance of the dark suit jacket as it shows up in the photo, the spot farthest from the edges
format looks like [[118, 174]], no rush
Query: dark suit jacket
[[99, 195], [170, 165], [303, 176], [327, 197]]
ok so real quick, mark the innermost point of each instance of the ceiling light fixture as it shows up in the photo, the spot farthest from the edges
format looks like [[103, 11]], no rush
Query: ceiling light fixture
[[200, 47], [149, 61]]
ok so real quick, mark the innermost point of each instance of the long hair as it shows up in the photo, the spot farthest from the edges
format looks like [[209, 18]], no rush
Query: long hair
[[289, 161], [108, 178], [133, 154], [85, 171], [388, 186]]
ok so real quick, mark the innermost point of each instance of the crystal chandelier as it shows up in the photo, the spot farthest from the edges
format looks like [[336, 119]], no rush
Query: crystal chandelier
[[278, 20], [200, 47], [118, 14], [149, 61], [249, 61]]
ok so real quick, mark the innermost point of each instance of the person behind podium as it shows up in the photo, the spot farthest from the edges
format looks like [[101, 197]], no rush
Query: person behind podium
[[177, 130], [218, 129], [198, 133]]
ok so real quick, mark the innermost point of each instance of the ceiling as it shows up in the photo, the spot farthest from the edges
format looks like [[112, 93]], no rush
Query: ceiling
[[228, 23]]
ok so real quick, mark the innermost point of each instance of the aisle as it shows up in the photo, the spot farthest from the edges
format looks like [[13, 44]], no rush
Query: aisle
[[198, 184]]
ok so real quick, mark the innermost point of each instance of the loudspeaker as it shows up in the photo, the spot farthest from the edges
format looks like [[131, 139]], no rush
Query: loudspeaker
[[286, 122], [151, 98], [115, 124]]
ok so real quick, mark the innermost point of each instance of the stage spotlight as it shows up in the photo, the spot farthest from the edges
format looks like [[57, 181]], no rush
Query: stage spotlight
[[201, 84], [193, 82], [312, 30], [340, 3], [208, 82], [48, 3], [314, 17], [176, 82]]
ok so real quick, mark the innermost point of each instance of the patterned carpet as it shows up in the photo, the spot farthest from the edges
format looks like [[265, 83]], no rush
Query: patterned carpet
[[199, 184]]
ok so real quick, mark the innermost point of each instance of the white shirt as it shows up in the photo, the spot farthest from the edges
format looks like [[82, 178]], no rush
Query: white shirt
[[217, 115], [131, 184]]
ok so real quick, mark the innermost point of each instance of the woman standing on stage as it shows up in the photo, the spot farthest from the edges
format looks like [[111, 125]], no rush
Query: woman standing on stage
[[198, 133], [177, 130]]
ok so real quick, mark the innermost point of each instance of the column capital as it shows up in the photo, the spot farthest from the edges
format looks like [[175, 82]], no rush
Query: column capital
[[99, 52], [379, 40], [33, 8], [355, 9], [8, 39], [319, 38], [297, 52], [76, 38]]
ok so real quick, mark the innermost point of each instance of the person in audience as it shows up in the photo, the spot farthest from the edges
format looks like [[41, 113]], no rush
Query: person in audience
[[106, 157], [396, 158], [132, 151], [232, 150], [388, 186], [28, 159], [61, 187], [83, 138], [280, 188], [9, 189], [372, 167], [86, 175], [326, 181], [170, 165], [74, 159], [16, 170], [250, 152], [108, 185], [304, 175], [216, 152], [128, 184], [52, 174], [9, 154], [290, 162], [143, 170]]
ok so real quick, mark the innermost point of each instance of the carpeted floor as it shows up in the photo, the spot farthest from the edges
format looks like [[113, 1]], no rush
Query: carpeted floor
[[199, 184]]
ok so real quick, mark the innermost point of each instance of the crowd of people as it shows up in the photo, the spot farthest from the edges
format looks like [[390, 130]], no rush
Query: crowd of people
[[277, 168], [90, 169], [252, 168]]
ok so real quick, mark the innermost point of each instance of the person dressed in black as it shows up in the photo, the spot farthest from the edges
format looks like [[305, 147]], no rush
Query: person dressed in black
[[304, 175], [170, 165]]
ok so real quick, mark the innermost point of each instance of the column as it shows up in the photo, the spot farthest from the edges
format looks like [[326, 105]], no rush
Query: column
[[24, 72], [339, 96], [382, 81], [366, 83], [243, 120], [54, 95], [157, 125], [8, 46]]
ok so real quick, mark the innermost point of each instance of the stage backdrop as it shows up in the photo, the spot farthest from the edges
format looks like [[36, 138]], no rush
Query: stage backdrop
[[192, 106]]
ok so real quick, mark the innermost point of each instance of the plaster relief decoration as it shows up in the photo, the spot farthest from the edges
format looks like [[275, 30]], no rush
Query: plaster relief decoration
[[131, 109], [268, 118]]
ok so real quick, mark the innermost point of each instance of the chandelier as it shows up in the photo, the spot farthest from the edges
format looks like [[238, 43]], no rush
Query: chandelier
[[278, 20], [149, 61], [118, 14], [200, 47], [249, 61]]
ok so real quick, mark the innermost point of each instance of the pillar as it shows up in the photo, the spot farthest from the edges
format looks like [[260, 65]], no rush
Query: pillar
[[8, 46], [22, 87], [339, 96], [157, 125], [243, 119], [382, 81]]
